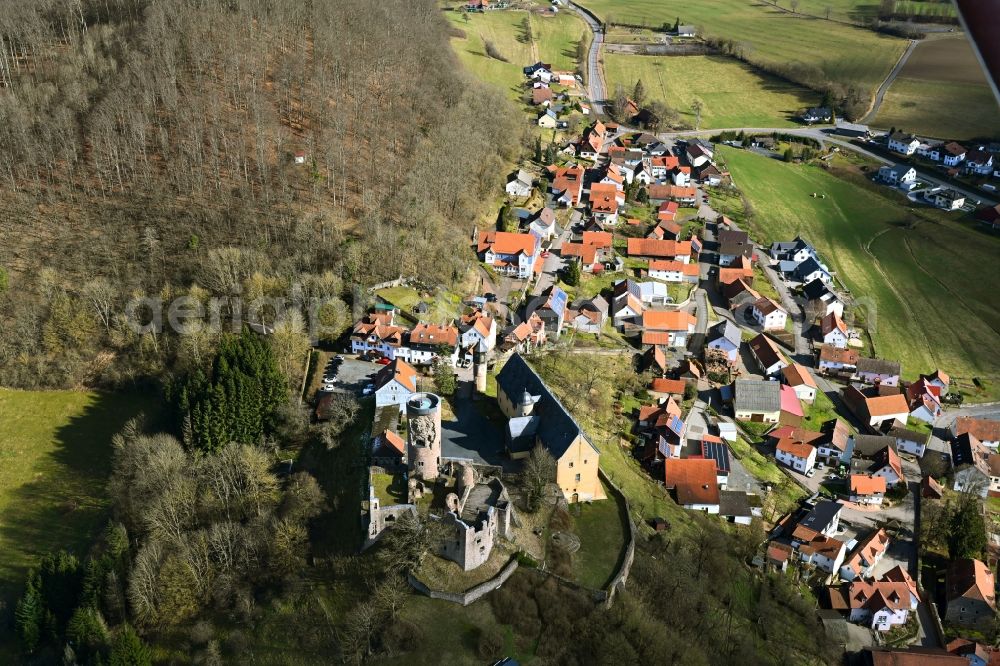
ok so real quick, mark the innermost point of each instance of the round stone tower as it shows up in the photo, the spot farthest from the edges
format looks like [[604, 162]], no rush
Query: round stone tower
[[423, 441], [479, 370]]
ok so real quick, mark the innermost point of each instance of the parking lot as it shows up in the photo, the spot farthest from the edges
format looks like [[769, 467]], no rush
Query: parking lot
[[351, 376]]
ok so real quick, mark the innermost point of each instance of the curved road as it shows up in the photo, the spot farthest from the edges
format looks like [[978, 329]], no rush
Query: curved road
[[882, 89], [595, 74]]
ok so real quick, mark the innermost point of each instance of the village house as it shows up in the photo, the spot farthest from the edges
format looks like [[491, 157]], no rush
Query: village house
[[801, 381], [903, 143], [879, 605], [673, 271], [970, 594], [973, 464], [551, 308], [866, 489], [693, 482], [820, 300], [795, 251], [909, 441], [593, 252], [604, 200], [947, 199], [520, 184], [866, 556], [477, 331], [938, 378], [537, 417], [769, 315], [698, 152], [588, 316], [667, 327], [878, 371], [833, 331], [428, 342], [395, 383], [979, 161], [567, 184], [882, 463], [806, 271], [837, 361], [798, 455], [834, 443], [650, 248], [592, 142], [824, 553], [757, 400], [662, 388], [925, 401], [726, 337], [543, 224], [874, 409], [547, 119], [389, 451], [765, 351], [511, 254], [817, 114], [986, 431], [900, 175], [733, 244], [526, 336], [791, 409], [541, 95], [951, 153], [377, 333]]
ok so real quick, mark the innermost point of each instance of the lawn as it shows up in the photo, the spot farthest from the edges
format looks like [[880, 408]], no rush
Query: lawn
[[554, 42], [602, 530], [767, 471], [819, 412], [843, 53], [926, 278], [942, 76], [732, 94], [55, 456], [442, 306]]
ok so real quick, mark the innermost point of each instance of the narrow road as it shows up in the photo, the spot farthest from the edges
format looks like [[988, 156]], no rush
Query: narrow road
[[882, 89], [595, 75]]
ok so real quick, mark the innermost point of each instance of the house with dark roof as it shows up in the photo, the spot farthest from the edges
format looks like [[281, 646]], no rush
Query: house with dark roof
[[537, 417], [757, 400], [909, 441], [971, 461], [878, 371], [765, 351], [834, 443], [970, 593]]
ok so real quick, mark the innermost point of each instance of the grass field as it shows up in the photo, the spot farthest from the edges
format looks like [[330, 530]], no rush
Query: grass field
[[554, 41], [930, 286], [55, 455], [732, 93], [941, 91], [844, 53], [601, 528]]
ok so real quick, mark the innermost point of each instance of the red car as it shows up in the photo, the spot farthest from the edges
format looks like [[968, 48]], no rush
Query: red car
[[383, 361], [545, 254]]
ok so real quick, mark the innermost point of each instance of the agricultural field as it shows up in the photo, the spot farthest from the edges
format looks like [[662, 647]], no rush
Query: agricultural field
[[732, 93], [941, 77], [554, 41], [842, 52], [926, 276], [55, 455]]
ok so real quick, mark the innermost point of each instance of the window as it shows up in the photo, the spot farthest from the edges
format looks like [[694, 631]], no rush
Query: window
[[571, 465], [577, 477]]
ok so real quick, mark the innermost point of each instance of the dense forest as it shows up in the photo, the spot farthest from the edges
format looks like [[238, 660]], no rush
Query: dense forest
[[150, 149]]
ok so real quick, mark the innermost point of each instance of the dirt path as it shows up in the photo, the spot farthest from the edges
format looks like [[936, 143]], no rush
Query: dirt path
[[884, 88]]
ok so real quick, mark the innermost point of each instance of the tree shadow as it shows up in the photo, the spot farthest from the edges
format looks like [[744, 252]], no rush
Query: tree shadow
[[66, 504]]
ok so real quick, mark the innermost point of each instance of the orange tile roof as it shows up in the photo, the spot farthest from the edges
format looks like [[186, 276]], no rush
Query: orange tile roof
[[650, 247], [693, 478], [661, 385], [795, 448], [798, 375], [671, 265], [598, 238], [503, 242], [655, 338], [667, 320], [426, 334], [400, 371], [587, 253], [884, 405], [982, 429], [864, 484]]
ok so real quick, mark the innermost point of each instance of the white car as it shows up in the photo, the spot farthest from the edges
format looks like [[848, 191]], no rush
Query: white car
[[329, 379], [368, 390], [811, 473], [328, 388]]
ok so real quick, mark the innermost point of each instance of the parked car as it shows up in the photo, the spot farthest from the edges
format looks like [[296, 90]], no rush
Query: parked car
[[490, 297], [338, 358], [545, 254], [383, 361], [811, 473], [328, 388], [368, 389]]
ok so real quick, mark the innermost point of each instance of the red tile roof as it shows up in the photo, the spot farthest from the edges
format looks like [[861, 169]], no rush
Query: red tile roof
[[503, 242], [795, 448], [650, 247], [693, 479]]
